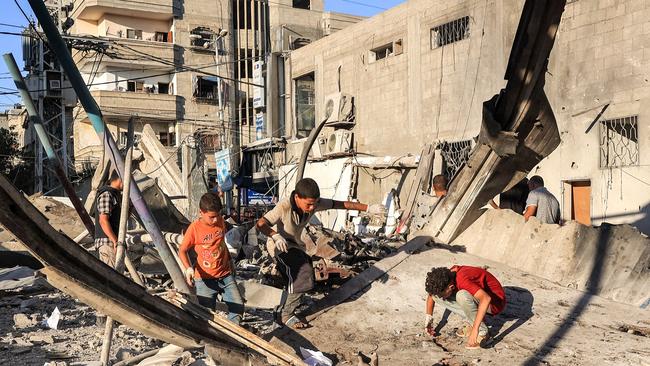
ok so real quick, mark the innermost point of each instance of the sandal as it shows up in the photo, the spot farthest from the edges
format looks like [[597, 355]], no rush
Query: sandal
[[295, 323]]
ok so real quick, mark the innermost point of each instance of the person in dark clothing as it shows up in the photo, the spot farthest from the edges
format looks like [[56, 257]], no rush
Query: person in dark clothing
[[514, 198], [107, 218]]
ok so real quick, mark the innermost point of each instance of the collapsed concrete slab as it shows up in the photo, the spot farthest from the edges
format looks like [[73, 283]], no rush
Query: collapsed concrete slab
[[610, 261], [161, 164]]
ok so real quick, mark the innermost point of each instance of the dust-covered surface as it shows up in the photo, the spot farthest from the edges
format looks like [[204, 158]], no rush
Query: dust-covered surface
[[544, 323], [61, 216]]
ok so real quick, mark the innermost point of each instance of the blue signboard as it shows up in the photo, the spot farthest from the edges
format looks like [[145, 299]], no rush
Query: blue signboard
[[253, 198], [222, 159], [259, 126]]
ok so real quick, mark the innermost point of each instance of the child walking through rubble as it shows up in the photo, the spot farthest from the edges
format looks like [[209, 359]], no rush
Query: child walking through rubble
[[470, 292], [213, 273]]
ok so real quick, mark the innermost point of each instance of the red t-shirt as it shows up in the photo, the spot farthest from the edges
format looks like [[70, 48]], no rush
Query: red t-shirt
[[471, 279], [212, 257]]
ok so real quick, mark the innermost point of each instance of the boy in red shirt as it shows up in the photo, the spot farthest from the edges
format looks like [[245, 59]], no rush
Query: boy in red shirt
[[213, 273], [470, 292]]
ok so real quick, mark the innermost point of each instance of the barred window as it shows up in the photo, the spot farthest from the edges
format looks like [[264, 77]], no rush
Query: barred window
[[619, 142], [454, 156], [451, 32]]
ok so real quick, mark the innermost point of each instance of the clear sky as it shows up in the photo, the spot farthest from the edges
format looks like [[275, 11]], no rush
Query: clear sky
[[11, 16]]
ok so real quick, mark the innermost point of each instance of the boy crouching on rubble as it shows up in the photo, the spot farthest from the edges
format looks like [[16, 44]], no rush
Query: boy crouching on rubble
[[213, 273], [470, 292]]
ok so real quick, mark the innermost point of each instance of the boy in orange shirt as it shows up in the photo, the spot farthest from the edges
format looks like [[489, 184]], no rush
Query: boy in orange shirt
[[213, 273]]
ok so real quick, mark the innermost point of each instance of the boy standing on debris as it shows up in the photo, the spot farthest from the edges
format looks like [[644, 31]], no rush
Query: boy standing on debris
[[470, 292], [213, 273], [107, 218], [290, 216]]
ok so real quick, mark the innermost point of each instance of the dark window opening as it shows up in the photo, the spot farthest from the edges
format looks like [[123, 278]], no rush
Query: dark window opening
[[305, 105], [134, 33], [619, 142], [163, 88], [202, 38], [302, 4], [245, 63], [135, 86], [381, 52], [454, 156], [205, 89], [451, 32], [161, 37], [246, 12], [167, 138]]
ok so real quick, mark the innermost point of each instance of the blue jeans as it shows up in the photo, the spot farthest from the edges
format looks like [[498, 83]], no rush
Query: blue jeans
[[207, 290]]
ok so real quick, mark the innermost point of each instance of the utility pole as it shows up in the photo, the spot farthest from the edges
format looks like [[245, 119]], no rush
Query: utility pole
[[47, 78]]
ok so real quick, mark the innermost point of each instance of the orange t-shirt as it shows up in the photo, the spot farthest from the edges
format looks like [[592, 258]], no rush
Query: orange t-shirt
[[212, 257]]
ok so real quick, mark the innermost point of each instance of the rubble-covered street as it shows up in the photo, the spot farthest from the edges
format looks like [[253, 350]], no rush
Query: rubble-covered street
[[323, 182]]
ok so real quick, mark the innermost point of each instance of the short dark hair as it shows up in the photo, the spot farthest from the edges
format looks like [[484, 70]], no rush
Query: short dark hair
[[440, 182], [210, 202], [307, 188], [438, 279], [115, 175], [536, 180]]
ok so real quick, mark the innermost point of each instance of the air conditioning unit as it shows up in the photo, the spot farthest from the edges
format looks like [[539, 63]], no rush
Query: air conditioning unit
[[339, 142], [319, 148], [339, 108]]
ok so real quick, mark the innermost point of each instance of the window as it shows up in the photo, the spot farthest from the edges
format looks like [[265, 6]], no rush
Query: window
[[134, 33], [161, 37], [381, 52], [245, 63], [167, 138], [619, 142], [302, 4], [135, 86], [390, 49], [163, 88], [305, 105], [205, 89], [454, 156], [202, 38], [451, 32]]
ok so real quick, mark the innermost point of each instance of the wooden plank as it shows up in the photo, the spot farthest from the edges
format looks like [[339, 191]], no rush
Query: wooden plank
[[420, 182], [243, 336], [367, 277]]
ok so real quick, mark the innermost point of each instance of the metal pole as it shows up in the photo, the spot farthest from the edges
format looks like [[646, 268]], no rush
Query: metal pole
[[37, 123], [60, 49], [121, 236]]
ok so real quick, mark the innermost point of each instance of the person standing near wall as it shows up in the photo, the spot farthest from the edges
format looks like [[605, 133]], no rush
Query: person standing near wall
[[541, 203]]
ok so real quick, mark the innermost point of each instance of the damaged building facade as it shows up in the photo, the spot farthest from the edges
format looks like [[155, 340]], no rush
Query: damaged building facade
[[188, 68], [419, 73]]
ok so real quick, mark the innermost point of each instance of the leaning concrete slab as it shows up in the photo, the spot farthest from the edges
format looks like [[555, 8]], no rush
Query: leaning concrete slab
[[568, 255], [161, 164]]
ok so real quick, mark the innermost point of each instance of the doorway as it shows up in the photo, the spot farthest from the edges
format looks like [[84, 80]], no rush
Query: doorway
[[577, 201]]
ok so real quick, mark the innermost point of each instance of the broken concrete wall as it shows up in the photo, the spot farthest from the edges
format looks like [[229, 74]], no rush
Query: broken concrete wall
[[611, 261], [161, 163]]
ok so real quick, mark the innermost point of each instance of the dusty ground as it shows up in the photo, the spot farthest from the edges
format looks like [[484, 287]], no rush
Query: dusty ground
[[546, 324]]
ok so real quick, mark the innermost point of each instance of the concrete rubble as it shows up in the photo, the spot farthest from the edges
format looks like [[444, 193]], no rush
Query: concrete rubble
[[576, 294]]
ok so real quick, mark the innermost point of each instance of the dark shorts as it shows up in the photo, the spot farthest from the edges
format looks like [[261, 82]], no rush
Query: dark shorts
[[297, 271]]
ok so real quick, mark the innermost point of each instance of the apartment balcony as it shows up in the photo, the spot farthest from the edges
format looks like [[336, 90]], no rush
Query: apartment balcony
[[131, 53], [150, 107], [150, 9]]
